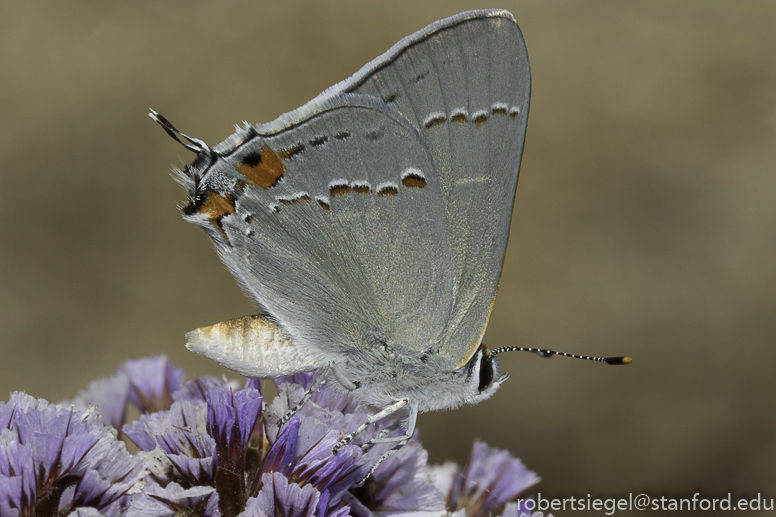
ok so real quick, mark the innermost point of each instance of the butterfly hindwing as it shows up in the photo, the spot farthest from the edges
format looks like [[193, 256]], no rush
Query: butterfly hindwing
[[378, 213], [331, 226]]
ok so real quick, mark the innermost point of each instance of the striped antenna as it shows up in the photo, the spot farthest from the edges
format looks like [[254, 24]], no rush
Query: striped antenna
[[543, 352], [196, 145]]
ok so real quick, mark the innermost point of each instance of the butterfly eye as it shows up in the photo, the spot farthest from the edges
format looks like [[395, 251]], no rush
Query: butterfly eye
[[486, 373]]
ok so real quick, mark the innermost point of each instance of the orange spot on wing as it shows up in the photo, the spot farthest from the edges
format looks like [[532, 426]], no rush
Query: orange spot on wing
[[304, 198], [435, 121], [413, 182], [263, 169], [339, 190], [387, 191], [413, 178], [216, 206]]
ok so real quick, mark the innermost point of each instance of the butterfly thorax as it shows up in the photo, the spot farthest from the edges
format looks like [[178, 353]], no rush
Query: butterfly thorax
[[384, 375]]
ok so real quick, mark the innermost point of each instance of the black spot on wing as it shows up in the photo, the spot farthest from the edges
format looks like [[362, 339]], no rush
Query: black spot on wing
[[292, 151], [375, 134], [319, 141]]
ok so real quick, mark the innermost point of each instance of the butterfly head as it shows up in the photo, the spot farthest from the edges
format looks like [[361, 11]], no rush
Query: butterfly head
[[475, 381], [482, 377]]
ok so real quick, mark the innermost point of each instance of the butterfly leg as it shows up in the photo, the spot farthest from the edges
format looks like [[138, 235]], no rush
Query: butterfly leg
[[319, 383], [344, 381], [409, 428], [384, 456], [393, 408], [400, 441]]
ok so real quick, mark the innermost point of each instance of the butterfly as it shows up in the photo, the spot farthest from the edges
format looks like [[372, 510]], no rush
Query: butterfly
[[370, 225]]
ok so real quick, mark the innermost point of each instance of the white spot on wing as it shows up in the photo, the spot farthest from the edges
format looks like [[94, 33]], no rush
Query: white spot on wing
[[434, 118], [459, 112], [412, 171], [387, 185], [339, 182], [361, 187], [479, 117], [514, 111], [499, 106], [295, 198]]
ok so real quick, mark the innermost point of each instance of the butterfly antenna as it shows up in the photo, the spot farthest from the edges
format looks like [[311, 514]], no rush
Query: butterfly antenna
[[196, 145], [543, 352]]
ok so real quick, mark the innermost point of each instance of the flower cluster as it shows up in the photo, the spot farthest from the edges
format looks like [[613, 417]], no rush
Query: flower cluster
[[210, 447], [55, 459]]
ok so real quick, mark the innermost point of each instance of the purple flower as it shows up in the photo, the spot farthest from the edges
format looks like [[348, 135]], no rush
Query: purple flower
[[279, 497], [219, 442], [231, 418], [177, 444], [317, 466], [401, 484], [173, 499], [17, 474], [281, 456], [147, 383], [110, 395], [152, 381], [195, 391], [112, 473], [304, 379], [54, 460], [491, 478], [209, 448]]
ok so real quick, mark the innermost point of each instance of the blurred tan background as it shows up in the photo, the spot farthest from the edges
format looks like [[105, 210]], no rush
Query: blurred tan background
[[645, 221]]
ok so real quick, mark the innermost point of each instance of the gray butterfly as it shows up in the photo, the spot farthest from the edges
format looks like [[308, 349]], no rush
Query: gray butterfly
[[370, 224]]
